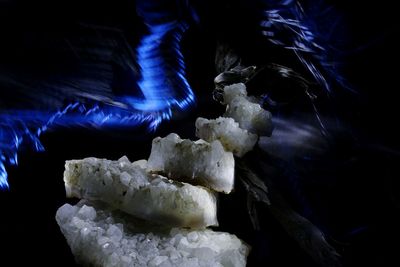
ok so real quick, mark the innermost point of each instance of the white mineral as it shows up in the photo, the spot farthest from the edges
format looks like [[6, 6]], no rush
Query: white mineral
[[250, 116], [199, 162], [101, 237], [129, 187], [234, 90], [228, 132]]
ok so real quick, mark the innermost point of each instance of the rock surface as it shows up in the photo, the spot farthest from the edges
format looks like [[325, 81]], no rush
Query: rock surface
[[101, 237], [198, 162], [129, 187]]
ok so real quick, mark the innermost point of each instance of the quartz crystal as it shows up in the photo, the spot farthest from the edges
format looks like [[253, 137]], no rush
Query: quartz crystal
[[99, 236], [228, 132], [129, 187], [250, 116], [198, 162]]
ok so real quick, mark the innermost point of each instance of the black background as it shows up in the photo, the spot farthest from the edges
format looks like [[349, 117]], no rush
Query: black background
[[362, 196]]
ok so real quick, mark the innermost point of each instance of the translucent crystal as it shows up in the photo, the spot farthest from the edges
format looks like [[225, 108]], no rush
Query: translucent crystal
[[199, 162], [130, 188], [228, 132], [250, 115]]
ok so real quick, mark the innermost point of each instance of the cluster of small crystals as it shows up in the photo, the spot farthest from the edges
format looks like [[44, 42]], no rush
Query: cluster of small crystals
[[131, 188], [101, 237], [228, 132], [250, 116], [244, 120], [198, 162]]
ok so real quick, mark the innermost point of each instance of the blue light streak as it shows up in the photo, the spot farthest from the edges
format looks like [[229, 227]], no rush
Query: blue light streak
[[163, 82], [18, 127], [163, 85]]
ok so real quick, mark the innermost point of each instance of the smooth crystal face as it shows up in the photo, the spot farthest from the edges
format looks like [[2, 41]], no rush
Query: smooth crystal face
[[129, 187], [99, 236], [228, 132], [198, 162]]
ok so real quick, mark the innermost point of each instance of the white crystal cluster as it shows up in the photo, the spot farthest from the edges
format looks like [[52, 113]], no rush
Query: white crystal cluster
[[99, 236], [235, 139], [130, 211], [233, 91], [243, 122], [198, 162], [250, 116], [129, 187]]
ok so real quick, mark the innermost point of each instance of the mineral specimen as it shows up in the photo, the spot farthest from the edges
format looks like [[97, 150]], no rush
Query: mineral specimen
[[250, 116], [129, 187], [99, 236], [234, 90], [228, 132], [199, 162]]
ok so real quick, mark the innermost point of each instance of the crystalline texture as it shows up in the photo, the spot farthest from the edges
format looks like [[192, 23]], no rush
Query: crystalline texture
[[129, 187], [250, 116], [234, 90], [101, 237], [228, 132], [197, 162]]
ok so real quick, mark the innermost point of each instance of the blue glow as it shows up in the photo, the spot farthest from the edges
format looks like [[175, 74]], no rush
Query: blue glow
[[163, 82], [163, 85], [19, 127]]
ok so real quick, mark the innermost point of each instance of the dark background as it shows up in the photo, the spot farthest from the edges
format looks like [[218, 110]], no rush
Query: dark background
[[356, 201]]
